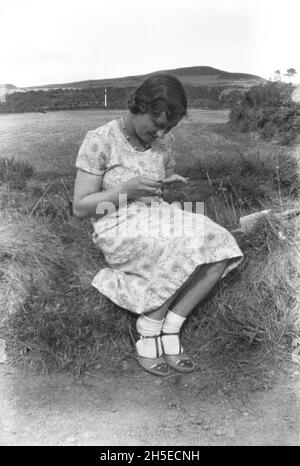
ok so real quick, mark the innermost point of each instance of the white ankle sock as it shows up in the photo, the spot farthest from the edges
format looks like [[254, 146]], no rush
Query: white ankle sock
[[148, 327], [172, 324]]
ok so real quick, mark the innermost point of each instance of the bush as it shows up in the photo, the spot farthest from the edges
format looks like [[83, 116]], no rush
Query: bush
[[269, 94], [269, 110]]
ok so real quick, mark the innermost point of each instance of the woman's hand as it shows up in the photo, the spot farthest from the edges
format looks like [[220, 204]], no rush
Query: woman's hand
[[140, 186], [175, 181]]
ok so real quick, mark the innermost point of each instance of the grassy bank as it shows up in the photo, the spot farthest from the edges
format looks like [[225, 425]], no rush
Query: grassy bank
[[52, 317]]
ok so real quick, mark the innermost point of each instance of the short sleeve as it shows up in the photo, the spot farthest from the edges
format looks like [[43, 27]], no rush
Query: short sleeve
[[170, 160], [92, 155]]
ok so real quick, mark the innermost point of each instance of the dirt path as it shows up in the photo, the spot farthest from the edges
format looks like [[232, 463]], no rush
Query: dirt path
[[140, 409]]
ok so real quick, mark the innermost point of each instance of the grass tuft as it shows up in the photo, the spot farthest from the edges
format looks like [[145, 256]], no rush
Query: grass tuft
[[31, 256], [15, 173]]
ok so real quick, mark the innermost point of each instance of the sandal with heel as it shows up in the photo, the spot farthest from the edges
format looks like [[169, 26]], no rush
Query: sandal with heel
[[181, 361], [156, 366]]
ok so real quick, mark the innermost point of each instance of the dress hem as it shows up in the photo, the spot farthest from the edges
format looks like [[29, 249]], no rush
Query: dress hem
[[236, 261]]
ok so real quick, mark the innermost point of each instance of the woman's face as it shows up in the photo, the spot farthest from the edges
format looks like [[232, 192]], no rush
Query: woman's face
[[149, 127]]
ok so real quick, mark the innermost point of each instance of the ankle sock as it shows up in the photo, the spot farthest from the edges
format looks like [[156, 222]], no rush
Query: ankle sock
[[172, 324], [148, 327]]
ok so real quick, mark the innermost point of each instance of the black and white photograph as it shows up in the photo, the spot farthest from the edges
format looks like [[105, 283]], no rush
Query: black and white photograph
[[149, 225]]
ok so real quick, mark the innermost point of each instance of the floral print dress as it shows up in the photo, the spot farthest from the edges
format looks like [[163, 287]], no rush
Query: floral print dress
[[149, 254]]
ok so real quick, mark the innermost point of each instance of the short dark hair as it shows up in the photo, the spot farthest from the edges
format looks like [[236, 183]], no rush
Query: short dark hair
[[161, 92]]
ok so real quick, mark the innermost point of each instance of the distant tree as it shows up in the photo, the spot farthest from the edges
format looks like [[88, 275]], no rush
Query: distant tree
[[277, 75], [290, 72]]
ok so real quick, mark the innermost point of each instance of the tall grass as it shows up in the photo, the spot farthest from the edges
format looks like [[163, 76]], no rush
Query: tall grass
[[15, 172], [263, 307], [31, 257], [249, 177]]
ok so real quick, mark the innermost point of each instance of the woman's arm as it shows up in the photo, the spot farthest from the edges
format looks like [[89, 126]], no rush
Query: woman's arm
[[87, 194]]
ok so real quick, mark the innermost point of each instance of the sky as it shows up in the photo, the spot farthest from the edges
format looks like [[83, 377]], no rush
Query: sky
[[58, 41]]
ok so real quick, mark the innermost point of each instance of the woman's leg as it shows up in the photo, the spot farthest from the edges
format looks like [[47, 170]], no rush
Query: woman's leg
[[195, 291], [192, 291], [198, 287], [151, 325]]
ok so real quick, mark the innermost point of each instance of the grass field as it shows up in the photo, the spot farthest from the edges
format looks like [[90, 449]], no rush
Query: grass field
[[50, 141], [51, 315]]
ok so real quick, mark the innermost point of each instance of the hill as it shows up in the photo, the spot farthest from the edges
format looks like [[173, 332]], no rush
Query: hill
[[8, 89], [193, 76], [206, 87]]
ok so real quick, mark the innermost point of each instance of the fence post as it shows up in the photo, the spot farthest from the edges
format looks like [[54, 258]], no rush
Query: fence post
[[105, 98]]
